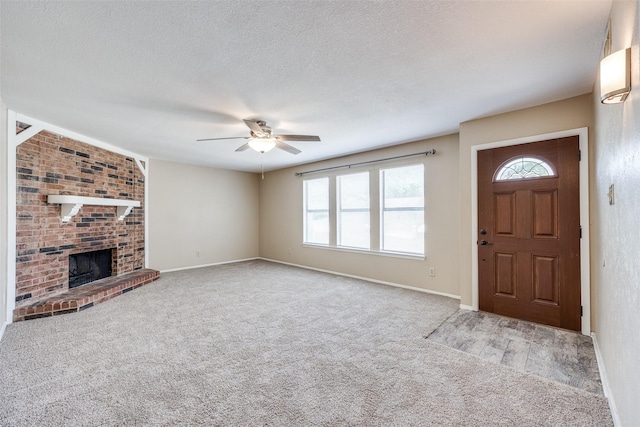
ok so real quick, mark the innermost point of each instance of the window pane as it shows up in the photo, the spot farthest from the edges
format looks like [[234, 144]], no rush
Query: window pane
[[317, 193], [403, 209], [354, 229], [524, 167], [317, 228], [353, 210], [316, 207], [354, 191], [404, 231], [405, 185]]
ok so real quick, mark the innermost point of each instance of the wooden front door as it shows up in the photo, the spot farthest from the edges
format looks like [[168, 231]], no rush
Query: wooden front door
[[529, 232]]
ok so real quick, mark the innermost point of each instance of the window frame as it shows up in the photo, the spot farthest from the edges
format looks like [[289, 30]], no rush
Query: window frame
[[546, 164], [339, 209], [374, 210], [408, 209], [306, 211]]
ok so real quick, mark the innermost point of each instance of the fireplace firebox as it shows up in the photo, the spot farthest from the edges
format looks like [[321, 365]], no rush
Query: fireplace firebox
[[89, 266]]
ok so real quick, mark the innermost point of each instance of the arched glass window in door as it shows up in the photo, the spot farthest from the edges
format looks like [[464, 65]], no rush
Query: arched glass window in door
[[524, 167]]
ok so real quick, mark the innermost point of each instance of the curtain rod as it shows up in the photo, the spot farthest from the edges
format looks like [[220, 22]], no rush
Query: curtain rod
[[424, 153]]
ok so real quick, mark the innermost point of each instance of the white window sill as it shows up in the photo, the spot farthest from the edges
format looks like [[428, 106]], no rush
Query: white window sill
[[366, 252]]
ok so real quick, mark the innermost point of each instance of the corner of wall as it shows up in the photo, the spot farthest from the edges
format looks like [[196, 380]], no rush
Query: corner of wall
[[4, 308], [615, 235]]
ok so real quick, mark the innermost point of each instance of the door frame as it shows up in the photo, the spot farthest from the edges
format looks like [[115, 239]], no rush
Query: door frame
[[585, 254]]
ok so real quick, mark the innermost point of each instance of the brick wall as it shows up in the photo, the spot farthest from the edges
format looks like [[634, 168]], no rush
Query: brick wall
[[51, 164]]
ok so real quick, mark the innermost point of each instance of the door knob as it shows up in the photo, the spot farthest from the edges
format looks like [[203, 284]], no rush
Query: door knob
[[484, 243]]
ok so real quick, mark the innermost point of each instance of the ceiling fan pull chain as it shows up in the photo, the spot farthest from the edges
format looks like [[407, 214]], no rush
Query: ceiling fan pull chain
[[262, 167]]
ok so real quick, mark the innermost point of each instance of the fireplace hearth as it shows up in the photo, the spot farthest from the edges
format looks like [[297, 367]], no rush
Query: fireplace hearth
[[89, 266]]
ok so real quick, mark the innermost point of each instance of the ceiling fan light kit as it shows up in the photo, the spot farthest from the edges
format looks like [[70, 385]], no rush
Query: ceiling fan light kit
[[262, 145], [262, 140]]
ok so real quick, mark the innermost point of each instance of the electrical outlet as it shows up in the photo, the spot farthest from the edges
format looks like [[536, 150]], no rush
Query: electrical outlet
[[289, 251], [197, 254], [432, 271]]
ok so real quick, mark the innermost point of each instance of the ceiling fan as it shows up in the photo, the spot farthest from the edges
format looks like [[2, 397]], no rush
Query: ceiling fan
[[262, 140]]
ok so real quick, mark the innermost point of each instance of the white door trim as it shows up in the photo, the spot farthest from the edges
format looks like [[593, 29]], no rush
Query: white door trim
[[12, 143], [585, 255]]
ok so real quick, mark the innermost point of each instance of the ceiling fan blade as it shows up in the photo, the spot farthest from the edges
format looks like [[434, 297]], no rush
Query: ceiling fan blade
[[298, 137], [243, 147], [286, 147], [217, 139], [255, 127]]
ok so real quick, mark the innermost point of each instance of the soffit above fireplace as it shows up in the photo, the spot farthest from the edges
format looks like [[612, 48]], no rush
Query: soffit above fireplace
[[70, 205]]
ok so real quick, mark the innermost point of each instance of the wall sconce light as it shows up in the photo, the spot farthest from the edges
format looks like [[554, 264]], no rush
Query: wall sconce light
[[615, 77]]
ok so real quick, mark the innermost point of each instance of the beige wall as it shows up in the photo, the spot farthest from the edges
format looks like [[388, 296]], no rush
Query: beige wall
[[281, 221], [616, 229], [3, 215], [200, 215], [554, 117]]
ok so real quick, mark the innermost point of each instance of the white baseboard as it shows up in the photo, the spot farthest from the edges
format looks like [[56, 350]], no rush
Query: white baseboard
[[381, 282], [605, 382], [207, 265], [466, 307]]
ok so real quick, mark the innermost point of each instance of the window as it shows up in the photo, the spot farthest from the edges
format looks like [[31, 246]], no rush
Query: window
[[524, 167], [376, 210], [402, 209], [316, 211], [353, 210]]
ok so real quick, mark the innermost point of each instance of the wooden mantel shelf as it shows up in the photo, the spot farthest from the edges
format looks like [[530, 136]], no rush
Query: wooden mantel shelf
[[70, 205]]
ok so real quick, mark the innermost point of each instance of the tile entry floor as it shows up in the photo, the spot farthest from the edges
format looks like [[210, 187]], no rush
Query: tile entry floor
[[556, 354]]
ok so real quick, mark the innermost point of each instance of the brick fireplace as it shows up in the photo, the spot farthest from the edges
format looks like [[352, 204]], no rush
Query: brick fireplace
[[50, 164]]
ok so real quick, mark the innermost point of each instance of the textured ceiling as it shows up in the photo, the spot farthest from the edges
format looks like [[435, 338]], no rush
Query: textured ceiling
[[152, 77]]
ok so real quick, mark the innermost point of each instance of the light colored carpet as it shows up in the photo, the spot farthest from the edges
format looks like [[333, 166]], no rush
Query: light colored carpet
[[258, 343]]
